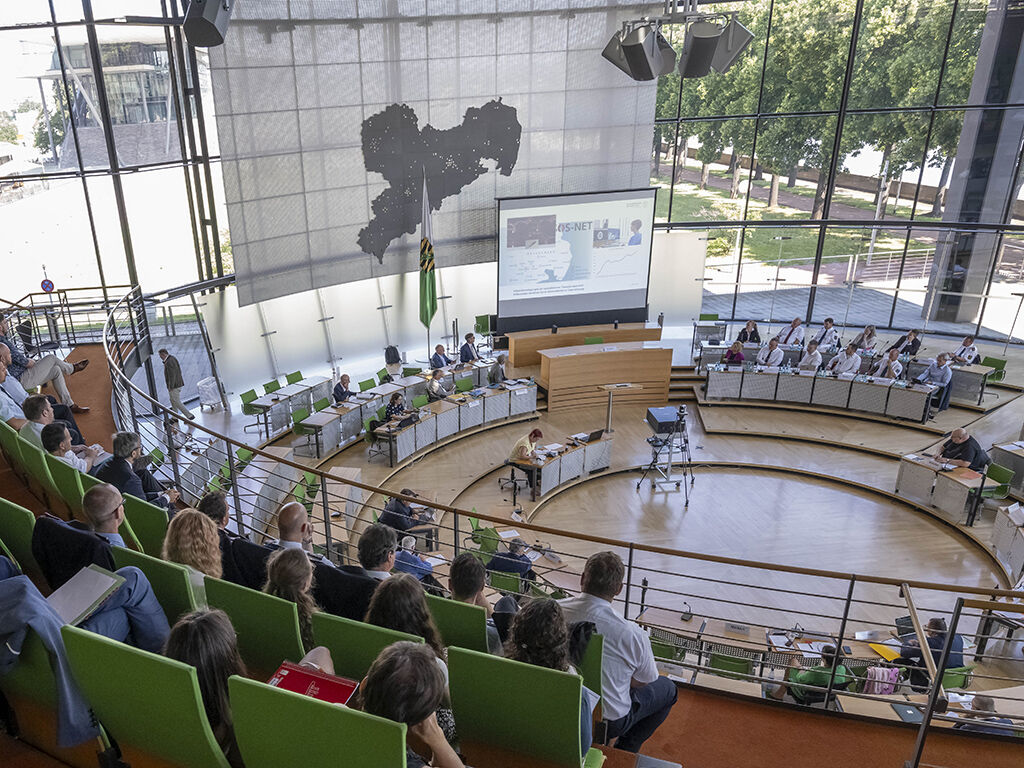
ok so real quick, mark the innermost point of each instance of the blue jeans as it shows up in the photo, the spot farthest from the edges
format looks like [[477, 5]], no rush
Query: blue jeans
[[132, 614], [650, 706]]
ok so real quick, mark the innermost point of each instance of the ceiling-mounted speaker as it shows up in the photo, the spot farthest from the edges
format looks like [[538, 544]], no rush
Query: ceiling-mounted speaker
[[668, 55], [702, 38], [642, 52], [614, 53], [731, 44], [206, 22]]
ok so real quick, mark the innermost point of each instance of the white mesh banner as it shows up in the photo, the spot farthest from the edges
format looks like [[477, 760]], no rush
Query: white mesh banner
[[330, 113]]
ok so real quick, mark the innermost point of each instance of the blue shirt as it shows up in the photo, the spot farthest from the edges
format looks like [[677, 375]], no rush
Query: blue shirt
[[936, 374], [635, 239], [407, 562], [438, 360], [113, 539], [13, 388], [506, 562], [19, 363], [8, 408]]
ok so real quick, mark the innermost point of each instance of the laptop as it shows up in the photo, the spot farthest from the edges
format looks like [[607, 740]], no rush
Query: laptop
[[905, 628], [595, 435], [908, 713]]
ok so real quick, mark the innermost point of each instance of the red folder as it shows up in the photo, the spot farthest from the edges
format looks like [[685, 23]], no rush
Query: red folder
[[314, 683]]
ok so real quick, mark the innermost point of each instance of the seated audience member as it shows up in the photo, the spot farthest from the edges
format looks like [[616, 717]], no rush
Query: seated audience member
[[467, 578], [131, 614], [396, 407], [908, 343], [939, 373], [10, 411], [214, 504], [804, 681], [19, 395], [967, 353], [811, 358], [400, 603], [635, 698], [962, 450], [40, 411], [47, 369], [525, 446], [513, 561], [435, 389], [341, 390], [399, 514], [734, 354], [846, 361], [376, 551], [57, 441], [192, 541], [982, 717], [865, 340], [828, 336], [439, 359], [295, 531], [405, 685], [540, 636], [749, 334], [467, 352], [407, 561], [911, 652], [889, 367], [497, 374], [207, 641], [290, 577], [103, 512], [118, 471], [771, 355], [791, 334]]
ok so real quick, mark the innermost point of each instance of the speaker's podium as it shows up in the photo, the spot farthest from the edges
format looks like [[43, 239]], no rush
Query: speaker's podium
[[575, 377]]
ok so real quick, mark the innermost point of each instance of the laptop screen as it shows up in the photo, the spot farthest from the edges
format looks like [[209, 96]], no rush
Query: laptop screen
[[596, 435], [904, 626]]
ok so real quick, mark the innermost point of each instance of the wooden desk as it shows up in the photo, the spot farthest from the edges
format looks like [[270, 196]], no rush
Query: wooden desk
[[1011, 456], [572, 461], [572, 375], [880, 707], [728, 684], [327, 430], [922, 480], [524, 346], [967, 384]]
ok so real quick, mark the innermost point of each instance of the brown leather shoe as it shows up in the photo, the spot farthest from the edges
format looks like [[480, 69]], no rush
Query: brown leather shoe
[[80, 365], [79, 409]]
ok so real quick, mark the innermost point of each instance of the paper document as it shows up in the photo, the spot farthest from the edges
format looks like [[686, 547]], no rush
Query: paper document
[[911, 457], [510, 534], [534, 555], [872, 635], [433, 562], [79, 597], [580, 436], [778, 641], [1010, 447], [552, 447], [610, 349]]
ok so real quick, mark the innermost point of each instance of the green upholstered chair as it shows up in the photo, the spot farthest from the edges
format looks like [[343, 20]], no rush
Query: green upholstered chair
[[294, 378], [9, 442], [708, 317], [67, 482], [308, 731], [482, 325], [419, 401], [464, 384], [545, 727], [321, 404], [382, 412], [957, 677], [383, 375], [590, 667], [411, 371], [156, 457], [1000, 477], [594, 340], [170, 581], [460, 624], [250, 410], [731, 666], [507, 583], [366, 384], [267, 626], [39, 472], [244, 456], [149, 704], [149, 523], [271, 386], [16, 524], [1000, 368], [354, 644]]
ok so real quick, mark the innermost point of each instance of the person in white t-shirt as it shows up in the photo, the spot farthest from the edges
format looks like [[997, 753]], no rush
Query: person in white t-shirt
[[847, 361], [56, 440], [635, 698], [811, 359]]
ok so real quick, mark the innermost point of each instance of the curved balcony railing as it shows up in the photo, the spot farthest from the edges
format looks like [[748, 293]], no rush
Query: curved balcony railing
[[735, 604]]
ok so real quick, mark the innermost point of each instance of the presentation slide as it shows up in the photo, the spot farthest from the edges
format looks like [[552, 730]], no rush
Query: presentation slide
[[570, 254]]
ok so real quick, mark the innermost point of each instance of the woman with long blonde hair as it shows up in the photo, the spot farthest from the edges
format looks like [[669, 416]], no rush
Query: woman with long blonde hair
[[192, 541], [290, 577]]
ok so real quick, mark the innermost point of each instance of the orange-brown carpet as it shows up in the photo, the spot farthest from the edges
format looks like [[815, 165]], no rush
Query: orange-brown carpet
[[91, 387]]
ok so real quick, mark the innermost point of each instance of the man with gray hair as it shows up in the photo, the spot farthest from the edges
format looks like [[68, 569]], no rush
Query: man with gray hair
[[938, 373], [982, 717], [119, 471], [47, 369], [513, 561]]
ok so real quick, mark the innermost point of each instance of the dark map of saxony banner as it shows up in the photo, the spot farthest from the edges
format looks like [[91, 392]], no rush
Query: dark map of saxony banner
[[396, 147]]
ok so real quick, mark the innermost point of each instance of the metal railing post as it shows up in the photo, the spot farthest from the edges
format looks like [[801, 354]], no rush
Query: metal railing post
[[172, 452], [455, 532], [839, 640], [234, 488], [327, 516], [629, 579]]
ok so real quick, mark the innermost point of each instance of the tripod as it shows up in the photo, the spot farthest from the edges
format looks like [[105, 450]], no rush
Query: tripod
[[663, 451]]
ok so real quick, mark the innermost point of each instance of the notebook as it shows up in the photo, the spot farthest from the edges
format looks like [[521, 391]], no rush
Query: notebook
[[887, 652], [313, 683], [81, 595]]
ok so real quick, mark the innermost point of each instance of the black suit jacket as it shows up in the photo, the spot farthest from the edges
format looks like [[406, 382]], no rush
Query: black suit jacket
[[910, 349], [119, 473], [250, 561], [753, 337], [344, 591], [227, 559], [63, 549]]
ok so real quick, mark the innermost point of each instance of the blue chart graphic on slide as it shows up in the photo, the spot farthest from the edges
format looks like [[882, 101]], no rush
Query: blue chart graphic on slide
[[574, 253]]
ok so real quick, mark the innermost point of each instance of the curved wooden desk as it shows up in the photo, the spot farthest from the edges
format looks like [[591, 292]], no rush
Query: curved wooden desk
[[524, 346], [572, 375]]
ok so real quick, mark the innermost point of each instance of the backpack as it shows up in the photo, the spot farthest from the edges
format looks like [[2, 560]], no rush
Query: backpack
[[391, 356]]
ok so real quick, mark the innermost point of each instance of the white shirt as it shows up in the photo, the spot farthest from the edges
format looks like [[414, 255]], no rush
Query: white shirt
[[436, 388], [827, 337], [844, 363], [770, 357], [32, 433], [811, 361], [378, 575], [967, 353], [881, 368], [627, 651], [72, 458], [791, 335]]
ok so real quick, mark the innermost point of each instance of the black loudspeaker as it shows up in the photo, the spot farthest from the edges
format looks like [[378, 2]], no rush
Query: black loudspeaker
[[642, 52], [731, 44], [699, 48], [206, 22], [613, 52]]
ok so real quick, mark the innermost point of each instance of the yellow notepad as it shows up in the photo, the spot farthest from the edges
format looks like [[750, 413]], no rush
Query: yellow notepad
[[886, 652]]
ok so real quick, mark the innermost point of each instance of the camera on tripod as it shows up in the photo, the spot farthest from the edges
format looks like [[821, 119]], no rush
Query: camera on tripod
[[665, 420]]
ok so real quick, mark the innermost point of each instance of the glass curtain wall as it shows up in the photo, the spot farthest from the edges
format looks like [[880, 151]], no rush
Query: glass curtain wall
[[860, 161]]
